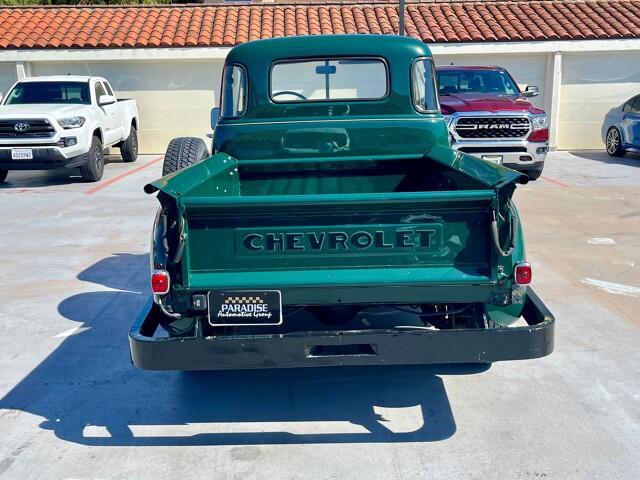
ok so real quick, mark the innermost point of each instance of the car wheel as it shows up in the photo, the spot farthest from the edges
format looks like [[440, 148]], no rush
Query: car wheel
[[614, 143], [3, 175], [129, 148], [92, 170], [183, 152], [535, 173]]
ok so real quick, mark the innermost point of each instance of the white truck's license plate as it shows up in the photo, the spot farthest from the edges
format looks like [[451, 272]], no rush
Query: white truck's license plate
[[21, 154], [493, 158]]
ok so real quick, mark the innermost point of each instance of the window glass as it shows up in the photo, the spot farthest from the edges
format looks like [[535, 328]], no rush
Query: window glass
[[423, 89], [627, 106], [108, 89], [635, 108], [99, 90], [234, 91], [476, 81], [329, 79], [49, 92]]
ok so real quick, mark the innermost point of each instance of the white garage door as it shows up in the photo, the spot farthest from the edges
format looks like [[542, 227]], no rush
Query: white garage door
[[7, 76], [592, 84], [174, 98], [525, 69]]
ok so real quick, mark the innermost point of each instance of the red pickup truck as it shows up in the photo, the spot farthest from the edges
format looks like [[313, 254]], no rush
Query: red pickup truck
[[490, 117]]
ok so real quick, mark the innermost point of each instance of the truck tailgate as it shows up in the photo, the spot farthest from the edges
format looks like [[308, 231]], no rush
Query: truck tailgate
[[410, 238]]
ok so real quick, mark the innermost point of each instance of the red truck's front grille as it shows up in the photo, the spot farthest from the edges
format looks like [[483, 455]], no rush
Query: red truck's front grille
[[492, 127]]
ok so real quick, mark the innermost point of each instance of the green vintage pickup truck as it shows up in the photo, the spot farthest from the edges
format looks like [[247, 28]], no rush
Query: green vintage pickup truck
[[333, 225]]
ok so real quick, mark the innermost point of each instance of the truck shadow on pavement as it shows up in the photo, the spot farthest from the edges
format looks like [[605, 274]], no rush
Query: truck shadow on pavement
[[88, 392]]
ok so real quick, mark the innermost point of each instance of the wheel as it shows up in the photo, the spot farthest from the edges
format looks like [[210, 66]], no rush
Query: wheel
[[183, 152], [535, 173], [614, 143], [93, 169], [129, 148], [3, 175]]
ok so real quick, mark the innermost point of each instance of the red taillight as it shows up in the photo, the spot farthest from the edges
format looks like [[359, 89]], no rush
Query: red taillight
[[159, 282], [522, 273], [539, 135]]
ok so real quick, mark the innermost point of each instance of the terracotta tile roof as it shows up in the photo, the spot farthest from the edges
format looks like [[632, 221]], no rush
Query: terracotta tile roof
[[226, 25]]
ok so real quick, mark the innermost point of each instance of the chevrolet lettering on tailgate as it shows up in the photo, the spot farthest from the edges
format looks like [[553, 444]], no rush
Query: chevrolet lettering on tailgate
[[366, 239]]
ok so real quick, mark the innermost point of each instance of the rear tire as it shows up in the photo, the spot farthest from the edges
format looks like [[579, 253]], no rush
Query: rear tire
[[614, 143], [183, 152], [129, 148], [535, 173], [3, 175], [94, 168]]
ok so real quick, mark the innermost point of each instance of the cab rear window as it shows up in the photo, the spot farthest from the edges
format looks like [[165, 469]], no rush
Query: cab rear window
[[329, 79]]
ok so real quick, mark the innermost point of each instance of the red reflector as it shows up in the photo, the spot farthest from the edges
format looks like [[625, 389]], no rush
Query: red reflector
[[539, 135], [160, 282], [523, 274]]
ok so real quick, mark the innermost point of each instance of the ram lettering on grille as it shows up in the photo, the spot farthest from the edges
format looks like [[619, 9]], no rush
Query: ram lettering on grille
[[493, 127]]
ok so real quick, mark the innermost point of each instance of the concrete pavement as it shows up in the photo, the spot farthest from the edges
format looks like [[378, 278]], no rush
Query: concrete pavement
[[74, 272]]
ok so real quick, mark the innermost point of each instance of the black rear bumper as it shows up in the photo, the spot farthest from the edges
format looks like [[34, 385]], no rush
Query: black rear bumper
[[333, 348]]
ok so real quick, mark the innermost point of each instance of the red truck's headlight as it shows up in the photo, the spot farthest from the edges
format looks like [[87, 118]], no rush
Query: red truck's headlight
[[540, 128], [160, 282], [522, 273]]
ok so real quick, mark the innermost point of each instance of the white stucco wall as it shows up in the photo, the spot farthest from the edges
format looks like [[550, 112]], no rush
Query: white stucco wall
[[174, 98], [592, 84]]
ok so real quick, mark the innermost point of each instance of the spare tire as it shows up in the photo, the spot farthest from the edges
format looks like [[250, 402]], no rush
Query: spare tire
[[183, 152]]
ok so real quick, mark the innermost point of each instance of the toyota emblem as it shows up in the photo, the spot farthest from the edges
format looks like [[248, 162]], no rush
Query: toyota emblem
[[21, 127]]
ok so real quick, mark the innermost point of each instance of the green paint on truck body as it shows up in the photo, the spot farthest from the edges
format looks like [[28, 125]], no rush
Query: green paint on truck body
[[345, 201]]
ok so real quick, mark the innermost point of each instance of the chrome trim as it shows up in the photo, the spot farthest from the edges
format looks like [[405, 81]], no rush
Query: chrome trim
[[486, 114]]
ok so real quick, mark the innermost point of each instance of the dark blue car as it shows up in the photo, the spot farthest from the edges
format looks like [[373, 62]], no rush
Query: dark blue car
[[621, 128]]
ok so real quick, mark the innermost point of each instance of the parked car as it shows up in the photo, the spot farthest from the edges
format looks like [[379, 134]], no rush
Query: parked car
[[65, 121], [488, 116], [621, 128], [333, 224]]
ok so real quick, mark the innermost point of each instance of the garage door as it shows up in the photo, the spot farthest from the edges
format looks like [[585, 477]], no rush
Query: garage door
[[7, 77], [174, 98], [525, 69], [592, 84]]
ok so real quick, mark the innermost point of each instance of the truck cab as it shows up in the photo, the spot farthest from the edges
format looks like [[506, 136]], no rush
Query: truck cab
[[333, 225], [489, 116]]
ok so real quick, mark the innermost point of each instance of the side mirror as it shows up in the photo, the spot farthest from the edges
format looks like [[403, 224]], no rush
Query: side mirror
[[106, 100], [531, 91], [215, 115]]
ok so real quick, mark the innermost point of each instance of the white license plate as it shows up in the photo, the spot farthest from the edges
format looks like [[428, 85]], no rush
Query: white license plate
[[21, 154], [493, 158]]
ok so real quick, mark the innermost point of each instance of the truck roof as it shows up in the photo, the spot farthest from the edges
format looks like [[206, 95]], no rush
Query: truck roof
[[327, 46], [61, 78], [469, 67]]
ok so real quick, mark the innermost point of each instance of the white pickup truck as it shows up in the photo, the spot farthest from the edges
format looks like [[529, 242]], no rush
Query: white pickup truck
[[65, 121]]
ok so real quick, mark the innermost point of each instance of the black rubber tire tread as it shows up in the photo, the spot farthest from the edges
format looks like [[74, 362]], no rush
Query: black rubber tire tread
[[3, 175], [183, 152], [90, 171], [535, 173], [129, 148], [619, 152]]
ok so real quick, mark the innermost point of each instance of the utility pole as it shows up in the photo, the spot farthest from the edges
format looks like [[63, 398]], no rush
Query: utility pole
[[401, 15]]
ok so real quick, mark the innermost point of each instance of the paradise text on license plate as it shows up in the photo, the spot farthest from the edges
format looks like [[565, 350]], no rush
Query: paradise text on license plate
[[21, 154], [245, 307]]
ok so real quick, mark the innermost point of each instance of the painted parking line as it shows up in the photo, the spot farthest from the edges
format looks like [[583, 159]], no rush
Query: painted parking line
[[119, 177], [556, 182]]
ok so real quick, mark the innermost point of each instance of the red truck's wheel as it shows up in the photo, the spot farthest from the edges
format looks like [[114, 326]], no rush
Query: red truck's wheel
[[183, 152]]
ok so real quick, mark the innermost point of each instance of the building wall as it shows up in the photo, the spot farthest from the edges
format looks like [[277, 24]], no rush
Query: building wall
[[592, 84], [7, 76], [174, 98]]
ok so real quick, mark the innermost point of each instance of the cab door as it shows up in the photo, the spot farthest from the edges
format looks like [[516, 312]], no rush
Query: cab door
[[111, 117]]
